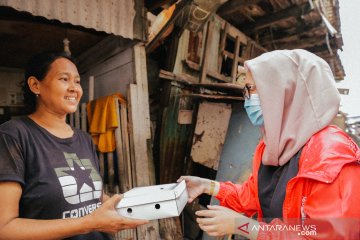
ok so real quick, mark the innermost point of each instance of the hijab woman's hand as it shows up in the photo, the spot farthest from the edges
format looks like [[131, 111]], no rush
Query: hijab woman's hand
[[220, 221], [195, 186]]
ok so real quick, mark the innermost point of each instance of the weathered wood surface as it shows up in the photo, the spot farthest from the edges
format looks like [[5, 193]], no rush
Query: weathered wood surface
[[210, 132], [139, 120]]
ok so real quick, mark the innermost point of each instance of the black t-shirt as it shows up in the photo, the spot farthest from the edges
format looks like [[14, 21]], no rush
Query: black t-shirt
[[59, 177]]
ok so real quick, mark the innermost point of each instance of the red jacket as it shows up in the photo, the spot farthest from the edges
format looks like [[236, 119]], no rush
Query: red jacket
[[326, 190]]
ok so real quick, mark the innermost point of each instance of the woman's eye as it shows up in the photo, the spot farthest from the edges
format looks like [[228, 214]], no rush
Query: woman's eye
[[63, 79]]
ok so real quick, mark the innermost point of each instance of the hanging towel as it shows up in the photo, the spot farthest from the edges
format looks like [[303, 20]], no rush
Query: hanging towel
[[103, 121]]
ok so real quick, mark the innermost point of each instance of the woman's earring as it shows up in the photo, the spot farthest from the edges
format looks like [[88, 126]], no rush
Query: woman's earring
[[37, 94]]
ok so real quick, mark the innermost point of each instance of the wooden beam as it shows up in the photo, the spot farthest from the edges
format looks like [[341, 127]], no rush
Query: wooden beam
[[322, 48], [235, 5], [228, 54], [273, 18], [235, 60], [305, 43], [224, 34], [234, 32], [283, 37], [210, 72], [324, 54], [300, 27], [182, 78], [222, 87], [209, 39], [214, 97]]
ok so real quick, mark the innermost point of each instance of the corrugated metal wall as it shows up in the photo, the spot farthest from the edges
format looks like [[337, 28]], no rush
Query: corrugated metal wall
[[174, 137], [111, 16]]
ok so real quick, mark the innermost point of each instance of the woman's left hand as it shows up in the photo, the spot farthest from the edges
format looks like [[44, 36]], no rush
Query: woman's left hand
[[218, 220]]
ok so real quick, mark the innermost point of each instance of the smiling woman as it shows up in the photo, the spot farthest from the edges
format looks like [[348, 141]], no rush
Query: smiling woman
[[52, 96], [49, 172]]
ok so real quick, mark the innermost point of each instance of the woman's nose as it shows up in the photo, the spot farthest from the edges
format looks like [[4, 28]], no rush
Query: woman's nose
[[73, 88]]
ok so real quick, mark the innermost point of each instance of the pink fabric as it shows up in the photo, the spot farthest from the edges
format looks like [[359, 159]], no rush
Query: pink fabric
[[298, 98]]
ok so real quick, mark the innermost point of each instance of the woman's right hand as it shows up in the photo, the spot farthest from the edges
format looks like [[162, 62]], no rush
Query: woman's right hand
[[106, 219], [195, 186]]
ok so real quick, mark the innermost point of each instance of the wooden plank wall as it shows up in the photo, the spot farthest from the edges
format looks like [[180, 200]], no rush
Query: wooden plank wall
[[140, 134], [112, 75]]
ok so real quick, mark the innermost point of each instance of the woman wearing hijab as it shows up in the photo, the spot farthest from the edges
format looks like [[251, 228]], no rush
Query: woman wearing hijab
[[305, 171]]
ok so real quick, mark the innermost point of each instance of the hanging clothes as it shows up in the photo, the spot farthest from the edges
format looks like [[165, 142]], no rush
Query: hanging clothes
[[103, 121]]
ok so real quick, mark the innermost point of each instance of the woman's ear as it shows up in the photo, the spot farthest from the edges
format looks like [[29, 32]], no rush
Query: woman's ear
[[34, 85]]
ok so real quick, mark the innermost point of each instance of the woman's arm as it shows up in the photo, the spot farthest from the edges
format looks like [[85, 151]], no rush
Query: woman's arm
[[104, 219]]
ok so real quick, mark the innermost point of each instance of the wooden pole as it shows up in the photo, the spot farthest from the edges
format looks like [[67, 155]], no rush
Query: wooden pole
[[119, 151], [91, 88], [83, 117], [126, 147], [235, 60], [139, 121], [207, 50], [110, 171], [77, 118]]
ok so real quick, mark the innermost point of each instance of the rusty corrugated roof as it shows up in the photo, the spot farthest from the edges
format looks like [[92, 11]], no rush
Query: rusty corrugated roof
[[111, 16]]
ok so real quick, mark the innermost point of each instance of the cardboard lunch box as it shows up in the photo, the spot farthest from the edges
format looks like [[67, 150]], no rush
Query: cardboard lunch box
[[154, 202]]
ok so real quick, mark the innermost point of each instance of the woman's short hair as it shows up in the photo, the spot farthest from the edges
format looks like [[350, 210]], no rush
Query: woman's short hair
[[38, 66]]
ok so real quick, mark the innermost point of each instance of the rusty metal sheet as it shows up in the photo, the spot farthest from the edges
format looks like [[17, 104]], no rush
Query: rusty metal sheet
[[111, 16], [173, 137], [210, 132]]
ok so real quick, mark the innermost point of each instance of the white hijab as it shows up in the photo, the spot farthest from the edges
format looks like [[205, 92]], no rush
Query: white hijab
[[298, 98]]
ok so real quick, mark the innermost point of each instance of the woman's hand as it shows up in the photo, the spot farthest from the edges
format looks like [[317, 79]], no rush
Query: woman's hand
[[195, 186], [106, 219], [220, 221]]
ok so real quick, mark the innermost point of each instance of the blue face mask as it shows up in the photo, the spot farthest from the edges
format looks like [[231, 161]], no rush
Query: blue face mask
[[253, 110]]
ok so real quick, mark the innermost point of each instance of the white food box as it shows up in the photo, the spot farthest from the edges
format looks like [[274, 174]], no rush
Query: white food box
[[154, 202]]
